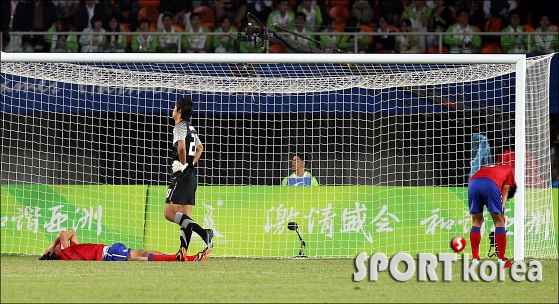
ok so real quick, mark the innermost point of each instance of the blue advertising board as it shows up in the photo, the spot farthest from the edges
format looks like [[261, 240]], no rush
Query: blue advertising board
[[28, 95]]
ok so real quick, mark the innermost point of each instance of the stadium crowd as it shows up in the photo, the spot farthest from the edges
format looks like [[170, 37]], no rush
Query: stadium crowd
[[101, 25]]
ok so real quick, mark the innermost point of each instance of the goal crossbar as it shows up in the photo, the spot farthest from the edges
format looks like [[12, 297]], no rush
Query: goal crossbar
[[264, 58]]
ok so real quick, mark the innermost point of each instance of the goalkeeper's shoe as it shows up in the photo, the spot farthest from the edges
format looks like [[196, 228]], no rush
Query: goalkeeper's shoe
[[203, 255], [181, 255], [506, 262], [209, 237]]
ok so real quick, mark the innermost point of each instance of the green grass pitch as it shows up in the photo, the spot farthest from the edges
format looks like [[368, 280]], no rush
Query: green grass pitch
[[27, 279]]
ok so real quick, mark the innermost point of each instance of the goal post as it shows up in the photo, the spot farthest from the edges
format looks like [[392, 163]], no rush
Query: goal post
[[356, 116]]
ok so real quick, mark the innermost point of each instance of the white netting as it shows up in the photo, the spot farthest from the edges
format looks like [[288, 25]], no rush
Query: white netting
[[392, 146], [368, 76]]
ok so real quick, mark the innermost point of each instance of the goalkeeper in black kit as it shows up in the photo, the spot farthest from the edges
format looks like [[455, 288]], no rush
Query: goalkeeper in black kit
[[187, 149]]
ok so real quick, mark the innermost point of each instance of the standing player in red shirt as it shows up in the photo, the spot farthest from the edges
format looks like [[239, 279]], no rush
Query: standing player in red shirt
[[66, 247], [491, 186]]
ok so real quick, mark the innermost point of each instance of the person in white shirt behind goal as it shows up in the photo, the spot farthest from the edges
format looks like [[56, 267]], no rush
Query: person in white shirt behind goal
[[187, 149], [300, 177]]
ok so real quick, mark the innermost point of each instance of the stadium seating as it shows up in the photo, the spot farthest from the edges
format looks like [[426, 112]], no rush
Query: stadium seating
[[148, 3], [435, 49], [149, 12], [367, 29], [126, 28], [492, 48], [339, 13], [276, 48], [207, 14], [332, 3], [339, 10]]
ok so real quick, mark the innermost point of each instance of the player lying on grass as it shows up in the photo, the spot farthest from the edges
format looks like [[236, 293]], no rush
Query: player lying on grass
[[66, 247]]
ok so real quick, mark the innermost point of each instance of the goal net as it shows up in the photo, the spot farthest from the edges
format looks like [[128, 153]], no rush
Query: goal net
[[391, 141]]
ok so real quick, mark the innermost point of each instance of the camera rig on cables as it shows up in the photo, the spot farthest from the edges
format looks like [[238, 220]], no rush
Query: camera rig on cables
[[262, 36]]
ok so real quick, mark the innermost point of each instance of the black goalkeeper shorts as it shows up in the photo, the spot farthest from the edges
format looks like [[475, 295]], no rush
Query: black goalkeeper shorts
[[182, 191]]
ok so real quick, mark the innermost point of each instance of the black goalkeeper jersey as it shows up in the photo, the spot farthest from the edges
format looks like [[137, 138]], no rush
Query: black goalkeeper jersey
[[184, 131]]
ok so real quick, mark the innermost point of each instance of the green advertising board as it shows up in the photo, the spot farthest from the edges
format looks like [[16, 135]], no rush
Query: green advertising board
[[251, 221], [32, 214]]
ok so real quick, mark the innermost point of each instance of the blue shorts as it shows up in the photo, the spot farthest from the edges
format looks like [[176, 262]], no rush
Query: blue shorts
[[117, 252], [483, 192]]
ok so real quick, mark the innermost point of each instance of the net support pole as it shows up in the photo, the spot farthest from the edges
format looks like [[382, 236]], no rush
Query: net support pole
[[519, 155]]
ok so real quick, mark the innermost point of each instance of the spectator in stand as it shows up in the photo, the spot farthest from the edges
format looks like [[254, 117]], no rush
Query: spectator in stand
[[363, 10], [127, 12], [312, 13], [115, 43], [440, 20], [66, 8], [260, 8], [391, 9], [92, 40], [498, 9], [474, 9], [144, 43], [464, 39], [328, 28], [33, 16], [168, 43], [550, 8], [545, 43], [178, 9], [282, 15], [197, 3], [7, 13], [301, 29], [86, 11], [418, 13], [347, 42], [235, 9], [62, 43], [515, 43], [383, 44], [224, 43], [199, 41], [407, 42]]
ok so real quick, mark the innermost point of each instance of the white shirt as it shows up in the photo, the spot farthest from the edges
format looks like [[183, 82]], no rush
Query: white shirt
[[197, 41], [519, 46], [168, 39], [487, 6], [543, 41], [302, 33], [64, 6], [90, 12], [310, 18], [282, 20], [258, 4]]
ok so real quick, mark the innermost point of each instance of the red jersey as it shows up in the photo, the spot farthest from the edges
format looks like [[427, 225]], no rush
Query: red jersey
[[499, 174], [83, 252]]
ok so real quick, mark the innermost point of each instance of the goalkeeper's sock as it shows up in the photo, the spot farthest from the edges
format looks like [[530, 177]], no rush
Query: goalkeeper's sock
[[475, 239], [501, 240], [186, 235], [161, 258], [185, 221]]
